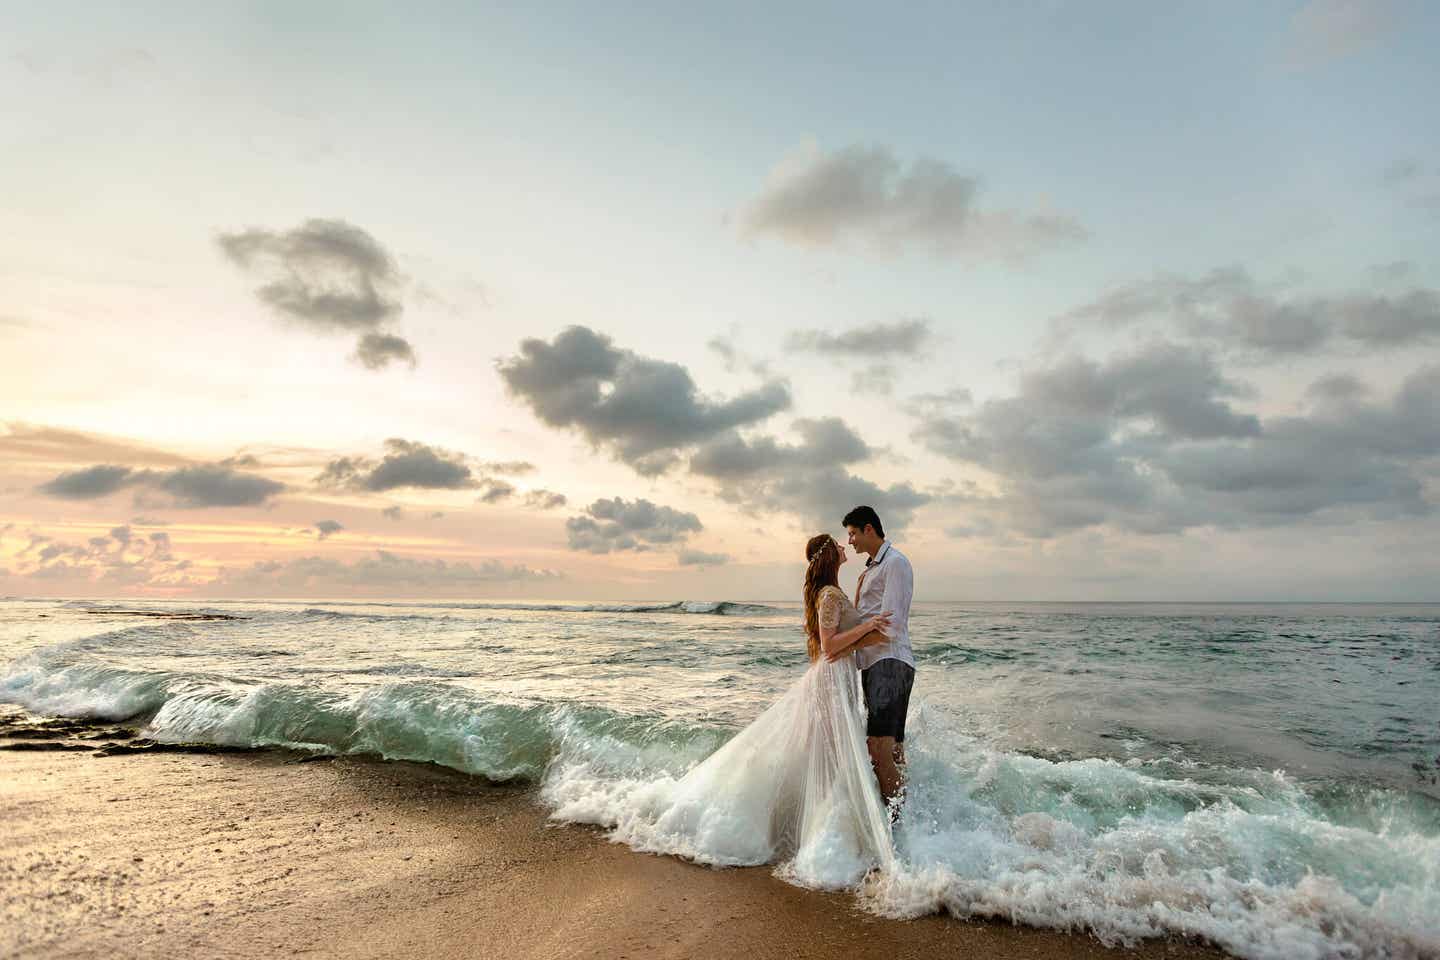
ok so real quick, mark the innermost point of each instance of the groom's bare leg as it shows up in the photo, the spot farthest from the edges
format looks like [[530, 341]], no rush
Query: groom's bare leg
[[882, 758]]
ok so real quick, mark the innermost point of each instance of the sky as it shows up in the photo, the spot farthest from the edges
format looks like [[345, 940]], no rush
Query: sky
[[1118, 301]]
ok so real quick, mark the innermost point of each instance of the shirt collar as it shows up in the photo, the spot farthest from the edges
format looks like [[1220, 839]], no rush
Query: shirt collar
[[879, 555]]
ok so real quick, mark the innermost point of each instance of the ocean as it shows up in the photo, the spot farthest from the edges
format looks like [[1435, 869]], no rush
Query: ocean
[[1266, 777]]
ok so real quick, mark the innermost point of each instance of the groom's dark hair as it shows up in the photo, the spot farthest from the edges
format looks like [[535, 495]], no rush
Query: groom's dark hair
[[860, 516]]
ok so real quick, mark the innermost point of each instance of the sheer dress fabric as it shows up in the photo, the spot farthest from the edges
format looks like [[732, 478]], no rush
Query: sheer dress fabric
[[794, 788]]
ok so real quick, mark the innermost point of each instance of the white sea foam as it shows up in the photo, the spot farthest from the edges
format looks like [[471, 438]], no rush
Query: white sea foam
[[1088, 845], [1261, 862]]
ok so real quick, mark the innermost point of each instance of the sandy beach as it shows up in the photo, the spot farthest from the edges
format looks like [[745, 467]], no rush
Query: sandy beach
[[136, 852]]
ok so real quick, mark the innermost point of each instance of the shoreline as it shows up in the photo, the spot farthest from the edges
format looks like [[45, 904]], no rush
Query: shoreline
[[213, 852]]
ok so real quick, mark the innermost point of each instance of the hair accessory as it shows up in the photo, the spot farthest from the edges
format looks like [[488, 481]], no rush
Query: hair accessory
[[829, 542]]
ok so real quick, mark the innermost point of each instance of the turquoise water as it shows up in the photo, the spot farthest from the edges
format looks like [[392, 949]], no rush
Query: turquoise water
[[1267, 777]]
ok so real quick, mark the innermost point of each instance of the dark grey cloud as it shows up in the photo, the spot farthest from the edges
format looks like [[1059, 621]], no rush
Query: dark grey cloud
[[646, 412], [89, 483], [329, 276], [376, 351], [810, 480], [406, 464], [392, 512], [381, 570], [206, 485], [617, 524], [215, 486], [1230, 310], [544, 500], [865, 193], [826, 442], [699, 558], [1149, 442], [494, 490], [324, 529], [903, 338]]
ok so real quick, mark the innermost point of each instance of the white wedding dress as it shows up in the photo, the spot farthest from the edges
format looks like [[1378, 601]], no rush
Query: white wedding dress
[[795, 787]]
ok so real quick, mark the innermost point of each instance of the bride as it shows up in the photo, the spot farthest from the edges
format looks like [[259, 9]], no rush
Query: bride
[[796, 784]]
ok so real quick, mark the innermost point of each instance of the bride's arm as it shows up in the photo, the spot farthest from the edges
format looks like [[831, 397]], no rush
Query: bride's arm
[[866, 634], [836, 644]]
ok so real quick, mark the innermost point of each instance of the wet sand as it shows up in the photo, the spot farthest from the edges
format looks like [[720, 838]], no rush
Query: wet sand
[[156, 853]]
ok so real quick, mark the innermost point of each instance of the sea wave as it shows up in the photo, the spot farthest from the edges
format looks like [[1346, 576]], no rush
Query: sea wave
[[328, 610], [1256, 861], [702, 607]]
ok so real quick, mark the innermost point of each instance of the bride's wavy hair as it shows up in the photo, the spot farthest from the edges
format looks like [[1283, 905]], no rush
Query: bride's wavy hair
[[823, 553]]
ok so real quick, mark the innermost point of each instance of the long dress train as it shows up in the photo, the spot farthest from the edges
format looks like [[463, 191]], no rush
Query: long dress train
[[794, 787]]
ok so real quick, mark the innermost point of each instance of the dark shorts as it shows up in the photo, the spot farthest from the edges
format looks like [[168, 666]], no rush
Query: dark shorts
[[887, 686]]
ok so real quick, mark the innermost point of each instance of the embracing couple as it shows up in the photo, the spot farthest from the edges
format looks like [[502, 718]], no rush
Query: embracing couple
[[815, 781], [872, 633]]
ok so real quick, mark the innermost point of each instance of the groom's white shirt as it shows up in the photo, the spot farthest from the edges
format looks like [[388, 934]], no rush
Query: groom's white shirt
[[888, 584]]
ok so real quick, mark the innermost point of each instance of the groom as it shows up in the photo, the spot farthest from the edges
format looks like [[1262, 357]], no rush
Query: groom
[[887, 670]]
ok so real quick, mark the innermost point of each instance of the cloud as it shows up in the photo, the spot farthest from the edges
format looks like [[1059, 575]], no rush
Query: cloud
[[89, 483], [868, 345], [392, 513], [643, 411], [699, 558], [508, 468], [810, 480], [381, 570], [903, 338], [215, 486], [544, 500], [493, 490], [736, 360], [375, 351], [325, 274], [328, 276], [206, 485], [22, 441], [119, 559], [1230, 310], [1323, 31], [617, 524], [406, 464], [817, 199], [1149, 442], [324, 529], [931, 404]]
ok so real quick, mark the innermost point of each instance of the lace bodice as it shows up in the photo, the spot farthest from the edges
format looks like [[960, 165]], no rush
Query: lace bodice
[[835, 610]]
